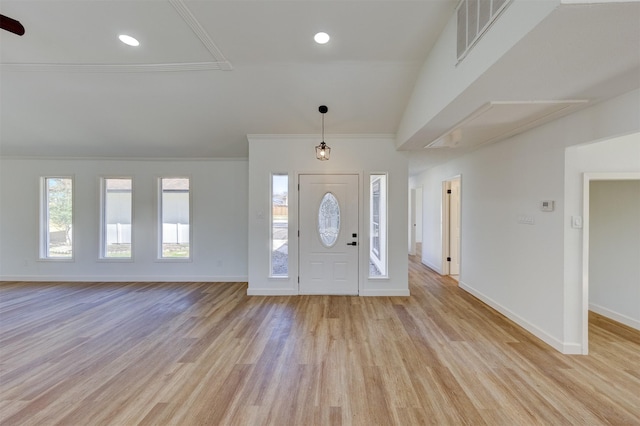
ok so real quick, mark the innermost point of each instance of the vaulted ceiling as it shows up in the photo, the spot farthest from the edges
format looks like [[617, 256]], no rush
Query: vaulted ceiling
[[207, 73]]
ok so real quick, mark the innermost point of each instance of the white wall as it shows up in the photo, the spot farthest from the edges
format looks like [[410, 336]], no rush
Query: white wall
[[614, 249], [219, 212], [296, 154], [527, 272], [442, 79], [419, 215], [606, 155]]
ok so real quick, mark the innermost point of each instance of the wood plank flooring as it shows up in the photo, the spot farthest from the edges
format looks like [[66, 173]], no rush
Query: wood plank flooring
[[206, 354]]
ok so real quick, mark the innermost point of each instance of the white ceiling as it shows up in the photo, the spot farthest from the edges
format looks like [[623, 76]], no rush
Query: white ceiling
[[579, 52], [71, 88], [210, 72]]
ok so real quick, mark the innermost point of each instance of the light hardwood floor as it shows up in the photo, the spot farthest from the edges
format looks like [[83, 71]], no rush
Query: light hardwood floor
[[206, 354]]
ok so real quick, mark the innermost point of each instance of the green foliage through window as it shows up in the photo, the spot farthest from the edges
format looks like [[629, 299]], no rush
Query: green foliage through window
[[59, 203]]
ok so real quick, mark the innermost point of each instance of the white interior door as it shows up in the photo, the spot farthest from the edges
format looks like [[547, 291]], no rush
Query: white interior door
[[412, 222], [328, 221], [454, 224]]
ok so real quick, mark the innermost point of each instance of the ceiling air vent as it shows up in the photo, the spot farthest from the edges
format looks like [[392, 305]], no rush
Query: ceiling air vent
[[474, 19]]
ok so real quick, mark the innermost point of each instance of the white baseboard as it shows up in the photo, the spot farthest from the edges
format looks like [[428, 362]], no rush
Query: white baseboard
[[621, 318], [289, 292], [429, 265], [126, 278], [389, 292], [271, 292], [572, 349], [563, 347]]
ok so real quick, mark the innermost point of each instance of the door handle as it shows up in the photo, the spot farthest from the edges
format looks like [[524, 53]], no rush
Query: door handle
[[352, 244]]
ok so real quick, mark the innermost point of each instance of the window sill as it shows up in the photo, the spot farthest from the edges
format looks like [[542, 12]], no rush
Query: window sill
[[379, 278], [115, 260], [54, 259], [173, 260]]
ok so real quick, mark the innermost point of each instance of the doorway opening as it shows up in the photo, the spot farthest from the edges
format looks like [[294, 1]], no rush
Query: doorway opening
[[611, 224], [415, 222], [451, 230]]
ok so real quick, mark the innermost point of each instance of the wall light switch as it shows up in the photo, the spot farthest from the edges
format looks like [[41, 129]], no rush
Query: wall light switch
[[576, 222]]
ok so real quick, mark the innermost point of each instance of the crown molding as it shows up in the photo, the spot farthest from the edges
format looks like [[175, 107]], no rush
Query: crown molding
[[272, 137], [116, 68], [123, 159], [219, 62]]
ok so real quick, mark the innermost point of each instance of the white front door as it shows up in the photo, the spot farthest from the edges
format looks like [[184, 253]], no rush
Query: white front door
[[328, 221]]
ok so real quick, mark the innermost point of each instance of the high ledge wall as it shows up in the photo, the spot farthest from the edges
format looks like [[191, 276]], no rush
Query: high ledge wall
[[531, 273]]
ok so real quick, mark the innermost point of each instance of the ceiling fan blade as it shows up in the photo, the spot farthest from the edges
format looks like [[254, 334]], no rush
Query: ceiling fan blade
[[11, 25]]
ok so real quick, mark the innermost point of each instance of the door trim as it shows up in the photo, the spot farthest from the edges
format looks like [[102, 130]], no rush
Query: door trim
[[364, 245], [586, 192], [446, 216], [412, 222]]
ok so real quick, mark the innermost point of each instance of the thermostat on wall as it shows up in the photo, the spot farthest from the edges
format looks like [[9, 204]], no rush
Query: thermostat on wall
[[546, 205]]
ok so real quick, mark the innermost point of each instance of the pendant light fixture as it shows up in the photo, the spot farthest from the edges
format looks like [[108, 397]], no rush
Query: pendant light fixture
[[323, 151]]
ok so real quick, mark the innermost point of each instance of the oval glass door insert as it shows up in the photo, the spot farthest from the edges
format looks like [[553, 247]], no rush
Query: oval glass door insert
[[329, 220]]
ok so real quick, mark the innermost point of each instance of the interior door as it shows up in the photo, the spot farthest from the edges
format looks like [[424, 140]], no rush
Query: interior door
[[454, 224], [412, 223], [328, 242]]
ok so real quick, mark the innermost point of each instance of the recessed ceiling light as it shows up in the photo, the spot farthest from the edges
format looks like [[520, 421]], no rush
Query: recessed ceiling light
[[321, 38], [126, 39]]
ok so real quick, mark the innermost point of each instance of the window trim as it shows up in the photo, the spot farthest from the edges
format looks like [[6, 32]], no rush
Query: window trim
[[375, 184], [102, 237], [159, 221], [43, 234], [271, 274], [384, 229]]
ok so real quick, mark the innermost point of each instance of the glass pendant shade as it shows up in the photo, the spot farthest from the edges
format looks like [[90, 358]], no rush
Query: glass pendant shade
[[323, 152]]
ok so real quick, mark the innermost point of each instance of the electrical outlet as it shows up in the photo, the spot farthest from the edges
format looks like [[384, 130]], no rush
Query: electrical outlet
[[526, 220]]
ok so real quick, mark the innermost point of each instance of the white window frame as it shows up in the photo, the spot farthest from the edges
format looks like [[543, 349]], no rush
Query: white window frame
[[271, 274], [383, 225], [44, 219], [103, 221], [159, 227]]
